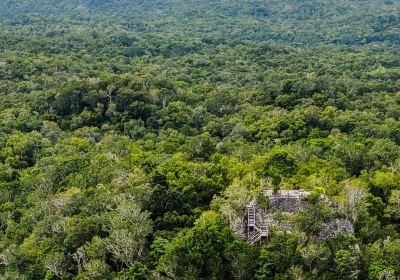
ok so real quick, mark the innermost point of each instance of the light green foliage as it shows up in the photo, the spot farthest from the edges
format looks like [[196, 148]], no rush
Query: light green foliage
[[316, 194], [123, 123], [393, 207]]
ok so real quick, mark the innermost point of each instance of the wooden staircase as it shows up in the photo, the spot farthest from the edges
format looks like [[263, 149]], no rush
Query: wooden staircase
[[251, 216], [255, 231]]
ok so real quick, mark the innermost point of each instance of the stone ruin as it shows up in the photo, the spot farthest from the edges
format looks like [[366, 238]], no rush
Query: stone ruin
[[284, 203], [335, 227]]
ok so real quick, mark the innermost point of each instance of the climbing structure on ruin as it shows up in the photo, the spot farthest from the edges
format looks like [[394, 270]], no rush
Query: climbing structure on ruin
[[256, 228], [285, 202], [260, 221]]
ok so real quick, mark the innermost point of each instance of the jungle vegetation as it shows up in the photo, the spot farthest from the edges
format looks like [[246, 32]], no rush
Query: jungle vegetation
[[132, 131]]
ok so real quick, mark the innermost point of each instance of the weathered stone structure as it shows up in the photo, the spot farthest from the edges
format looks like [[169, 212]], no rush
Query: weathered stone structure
[[335, 227], [284, 203]]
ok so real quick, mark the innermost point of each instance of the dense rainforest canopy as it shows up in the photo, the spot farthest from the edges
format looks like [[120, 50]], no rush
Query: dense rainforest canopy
[[133, 132]]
